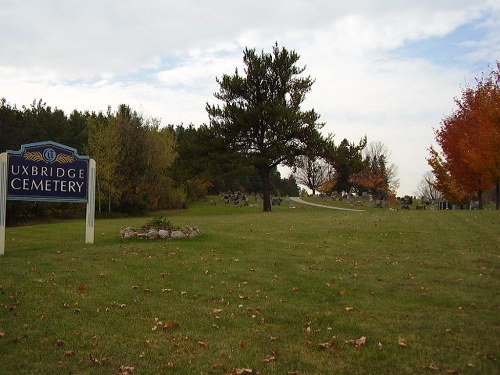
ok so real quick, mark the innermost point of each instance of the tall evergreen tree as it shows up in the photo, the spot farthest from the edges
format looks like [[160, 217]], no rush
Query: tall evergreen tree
[[261, 116]]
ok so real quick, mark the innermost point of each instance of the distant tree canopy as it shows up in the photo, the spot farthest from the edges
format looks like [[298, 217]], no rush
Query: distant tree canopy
[[261, 118], [140, 165], [470, 142]]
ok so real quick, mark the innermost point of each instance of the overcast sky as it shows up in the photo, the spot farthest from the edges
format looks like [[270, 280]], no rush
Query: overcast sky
[[385, 69]]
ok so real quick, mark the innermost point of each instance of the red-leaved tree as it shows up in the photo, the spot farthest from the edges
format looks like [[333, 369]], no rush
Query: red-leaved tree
[[470, 142]]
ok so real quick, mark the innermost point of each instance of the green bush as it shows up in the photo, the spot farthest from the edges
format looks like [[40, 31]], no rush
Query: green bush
[[158, 223]]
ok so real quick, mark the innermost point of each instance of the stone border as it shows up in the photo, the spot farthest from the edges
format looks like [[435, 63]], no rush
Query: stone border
[[154, 234]]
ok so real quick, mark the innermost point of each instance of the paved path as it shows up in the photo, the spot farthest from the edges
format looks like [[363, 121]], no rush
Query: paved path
[[299, 200]]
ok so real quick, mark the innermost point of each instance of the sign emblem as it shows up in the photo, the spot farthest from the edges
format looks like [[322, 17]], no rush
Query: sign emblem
[[49, 155]]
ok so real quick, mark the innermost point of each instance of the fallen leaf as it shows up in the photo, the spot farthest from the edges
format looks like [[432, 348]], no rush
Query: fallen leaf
[[324, 345], [169, 325], [432, 366], [342, 292], [60, 342], [270, 357], [2, 335], [349, 308], [96, 360], [93, 359], [241, 371], [242, 344], [246, 298], [125, 370], [203, 344], [69, 353], [402, 342], [170, 365], [360, 342]]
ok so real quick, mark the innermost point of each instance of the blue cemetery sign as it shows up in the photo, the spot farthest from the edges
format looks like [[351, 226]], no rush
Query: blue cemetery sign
[[50, 172], [47, 171]]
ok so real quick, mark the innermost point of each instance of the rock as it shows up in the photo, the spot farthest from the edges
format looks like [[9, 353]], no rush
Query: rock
[[177, 234], [163, 233], [129, 234], [194, 232], [152, 234]]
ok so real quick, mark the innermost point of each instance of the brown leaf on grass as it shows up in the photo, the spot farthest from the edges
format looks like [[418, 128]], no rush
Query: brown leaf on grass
[[69, 353], [245, 298], [203, 344], [402, 342], [169, 325], [125, 370], [60, 342], [360, 342], [324, 345], [342, 292], [315, 268], [100, 361], [242, 344], [241, 371], [349, 308], [357, 343], [2, 335], [432, 366], [292, 373], [82, 288], [271, 357]]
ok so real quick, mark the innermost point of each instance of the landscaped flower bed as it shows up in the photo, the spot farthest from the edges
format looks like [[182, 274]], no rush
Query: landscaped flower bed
[[159, 227]]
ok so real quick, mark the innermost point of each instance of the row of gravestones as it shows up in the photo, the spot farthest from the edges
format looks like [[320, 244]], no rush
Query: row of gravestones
[[153, 234]]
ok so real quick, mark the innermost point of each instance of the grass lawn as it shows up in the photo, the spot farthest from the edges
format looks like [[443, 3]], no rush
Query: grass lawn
[[295, 291]]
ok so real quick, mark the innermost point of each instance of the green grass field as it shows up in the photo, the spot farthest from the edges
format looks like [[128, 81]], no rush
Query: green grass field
[[296, 291]]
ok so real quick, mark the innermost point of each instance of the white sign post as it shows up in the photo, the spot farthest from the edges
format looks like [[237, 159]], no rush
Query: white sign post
[[48, 172], [89, 220], [3, 199]]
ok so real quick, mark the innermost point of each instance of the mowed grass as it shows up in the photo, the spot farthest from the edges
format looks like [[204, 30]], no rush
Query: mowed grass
[[288, 292]]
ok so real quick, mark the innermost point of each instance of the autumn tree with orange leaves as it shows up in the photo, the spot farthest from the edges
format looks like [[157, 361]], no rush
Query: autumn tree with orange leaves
[[378, 177], [470, 142]]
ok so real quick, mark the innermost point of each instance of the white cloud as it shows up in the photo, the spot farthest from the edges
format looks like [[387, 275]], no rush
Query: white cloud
[[162, 58]]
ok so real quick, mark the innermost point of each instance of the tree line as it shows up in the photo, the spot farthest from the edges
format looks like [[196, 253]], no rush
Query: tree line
[[141, 165]]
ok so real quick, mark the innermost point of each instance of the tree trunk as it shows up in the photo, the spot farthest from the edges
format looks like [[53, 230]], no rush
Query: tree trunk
[[98, 196], [480, 197], [266, 197]]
